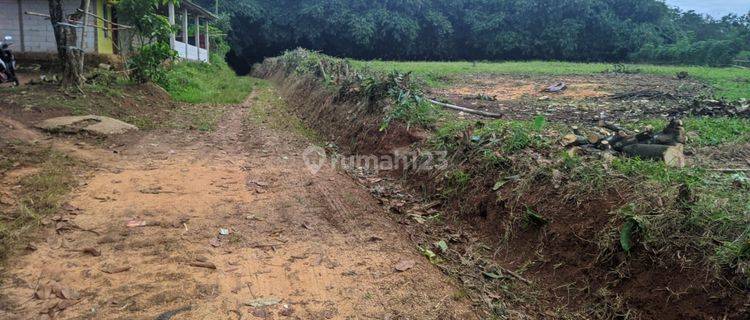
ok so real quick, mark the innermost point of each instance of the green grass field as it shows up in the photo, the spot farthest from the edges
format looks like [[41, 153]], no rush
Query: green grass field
[[728, 83], [207, 83]]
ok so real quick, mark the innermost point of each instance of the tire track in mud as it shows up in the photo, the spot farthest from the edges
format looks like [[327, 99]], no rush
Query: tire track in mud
[[337, 209]]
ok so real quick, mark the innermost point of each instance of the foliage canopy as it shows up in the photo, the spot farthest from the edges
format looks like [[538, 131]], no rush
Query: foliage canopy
[[578, 30]]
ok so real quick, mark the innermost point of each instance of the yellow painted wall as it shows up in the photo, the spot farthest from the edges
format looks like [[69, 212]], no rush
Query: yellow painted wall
[[104, 37]]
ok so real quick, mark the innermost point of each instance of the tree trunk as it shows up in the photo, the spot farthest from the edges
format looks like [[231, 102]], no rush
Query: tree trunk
[[673, 156], [68, 52]]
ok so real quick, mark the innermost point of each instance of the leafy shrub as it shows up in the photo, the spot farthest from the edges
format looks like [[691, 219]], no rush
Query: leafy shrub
[[197, 82], [152, 31], [143, 16], [396, 95], [409, 103], [148, 64]]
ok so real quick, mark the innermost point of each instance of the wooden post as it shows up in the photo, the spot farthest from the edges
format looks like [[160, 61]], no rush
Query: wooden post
[[208, 44], [198, 37], [185, 30], [20, 27], [170, 8]]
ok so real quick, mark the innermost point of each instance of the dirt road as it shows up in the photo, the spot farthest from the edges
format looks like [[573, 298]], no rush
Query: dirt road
[[226, 225]]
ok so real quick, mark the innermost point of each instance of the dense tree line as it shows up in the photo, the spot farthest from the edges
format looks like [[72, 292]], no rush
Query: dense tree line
[[577, 30]]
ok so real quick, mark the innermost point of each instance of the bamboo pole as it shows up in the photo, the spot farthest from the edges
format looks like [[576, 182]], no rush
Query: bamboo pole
[[83, 32], [467, 110]]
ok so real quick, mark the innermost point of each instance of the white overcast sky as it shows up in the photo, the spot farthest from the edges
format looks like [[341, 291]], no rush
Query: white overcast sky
[[716, 8]]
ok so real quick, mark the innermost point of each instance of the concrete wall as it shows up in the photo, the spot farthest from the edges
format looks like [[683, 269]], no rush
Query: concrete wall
[[190, 52], [38, 35], [9, 21]]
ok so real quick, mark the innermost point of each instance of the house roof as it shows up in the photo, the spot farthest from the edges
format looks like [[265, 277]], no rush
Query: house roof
[[191, 6]]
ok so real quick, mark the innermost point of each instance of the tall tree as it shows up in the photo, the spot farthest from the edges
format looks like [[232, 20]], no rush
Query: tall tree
[[578, 30], [68, 50]]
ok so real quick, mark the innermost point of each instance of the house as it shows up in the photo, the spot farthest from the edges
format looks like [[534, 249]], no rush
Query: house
[[33, 36], [198, 50]]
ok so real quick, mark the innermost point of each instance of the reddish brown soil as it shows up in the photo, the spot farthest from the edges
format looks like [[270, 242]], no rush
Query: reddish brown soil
[[319, 243]]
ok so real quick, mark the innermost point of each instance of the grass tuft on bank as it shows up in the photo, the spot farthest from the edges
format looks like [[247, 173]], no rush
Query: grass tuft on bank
[[40, 194], [196, 82], [271, 110]]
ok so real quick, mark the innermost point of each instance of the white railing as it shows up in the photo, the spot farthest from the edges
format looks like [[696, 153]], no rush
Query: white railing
[[191, 53]]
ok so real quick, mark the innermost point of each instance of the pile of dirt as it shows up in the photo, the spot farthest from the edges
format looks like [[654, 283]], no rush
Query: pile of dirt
[[143, 105], [547, 230]]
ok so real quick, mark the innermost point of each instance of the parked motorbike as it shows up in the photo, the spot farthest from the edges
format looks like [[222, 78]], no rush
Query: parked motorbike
[[7, 62]]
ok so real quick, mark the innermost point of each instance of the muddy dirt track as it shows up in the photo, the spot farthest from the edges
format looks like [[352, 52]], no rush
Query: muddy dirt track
[[226, 225]]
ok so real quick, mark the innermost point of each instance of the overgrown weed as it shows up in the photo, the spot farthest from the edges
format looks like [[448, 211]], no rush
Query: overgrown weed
[[41, 193], [270, 109], [196, 82], [395, 95]]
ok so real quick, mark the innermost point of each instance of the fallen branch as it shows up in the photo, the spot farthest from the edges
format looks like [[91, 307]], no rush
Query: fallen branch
[[665, 146], [671, 155], [467, 110], [515, 275], [76, 23], [121, 26]]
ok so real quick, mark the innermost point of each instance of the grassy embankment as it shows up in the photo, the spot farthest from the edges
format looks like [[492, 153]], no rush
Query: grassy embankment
[[200, 89], [714, 220], [198, 92], [206, 88], [711, 221], [728, 83], [195, 82], [667, 211], [272, 111]]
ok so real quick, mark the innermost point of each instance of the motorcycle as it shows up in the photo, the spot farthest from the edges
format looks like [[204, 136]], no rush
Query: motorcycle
[[7, 62]]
